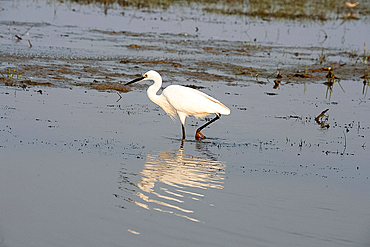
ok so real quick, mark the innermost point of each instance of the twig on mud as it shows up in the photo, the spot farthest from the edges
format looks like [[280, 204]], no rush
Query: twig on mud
[[120, 97], [322, 114], [341, 86], [321, 119], [289, 117], [331, 80], [19, 37], [325, 36], [345, 142], [27, 30]]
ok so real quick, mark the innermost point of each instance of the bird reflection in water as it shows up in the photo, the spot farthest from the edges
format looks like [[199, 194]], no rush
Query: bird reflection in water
[[170, 178]]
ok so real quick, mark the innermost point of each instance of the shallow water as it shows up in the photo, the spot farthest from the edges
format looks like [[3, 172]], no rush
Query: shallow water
[[80, 167], [78, 44]]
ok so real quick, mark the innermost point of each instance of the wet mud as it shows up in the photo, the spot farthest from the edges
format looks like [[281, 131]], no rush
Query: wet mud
[[88, 161]]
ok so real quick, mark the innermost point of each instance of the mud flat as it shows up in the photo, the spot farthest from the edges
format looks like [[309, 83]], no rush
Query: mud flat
[[86, 161]]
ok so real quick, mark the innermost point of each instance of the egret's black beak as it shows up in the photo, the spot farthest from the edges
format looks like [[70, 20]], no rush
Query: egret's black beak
[[135, 80]]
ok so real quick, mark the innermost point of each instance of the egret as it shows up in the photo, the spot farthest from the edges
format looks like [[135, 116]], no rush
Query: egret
[[183, 101]]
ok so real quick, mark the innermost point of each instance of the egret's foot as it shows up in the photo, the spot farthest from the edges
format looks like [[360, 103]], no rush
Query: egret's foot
[[199, 136]]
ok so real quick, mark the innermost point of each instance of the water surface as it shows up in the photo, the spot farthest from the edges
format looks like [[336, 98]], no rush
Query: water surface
[[87, 167]]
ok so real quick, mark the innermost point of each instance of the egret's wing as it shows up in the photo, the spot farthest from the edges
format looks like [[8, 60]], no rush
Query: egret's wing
[[193, 102], [168, 108]]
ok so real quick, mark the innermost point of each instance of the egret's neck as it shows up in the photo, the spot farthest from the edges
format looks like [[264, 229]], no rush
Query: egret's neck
[[153, 89]]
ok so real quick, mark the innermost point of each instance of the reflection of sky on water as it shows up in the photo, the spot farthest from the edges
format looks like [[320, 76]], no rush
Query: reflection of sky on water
[[171, 178]]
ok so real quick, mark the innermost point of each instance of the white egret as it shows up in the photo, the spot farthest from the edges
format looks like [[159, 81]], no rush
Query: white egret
[[183, 101]]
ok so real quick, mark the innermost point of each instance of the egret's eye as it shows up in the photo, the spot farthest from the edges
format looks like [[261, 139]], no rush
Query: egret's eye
[[145, 76]]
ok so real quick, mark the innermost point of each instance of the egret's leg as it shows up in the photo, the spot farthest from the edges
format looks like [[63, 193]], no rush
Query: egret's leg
[[182, 117], [199, 135], [183, 131]]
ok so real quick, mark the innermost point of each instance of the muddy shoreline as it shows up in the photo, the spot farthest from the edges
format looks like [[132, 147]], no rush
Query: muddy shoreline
[[91, 74]]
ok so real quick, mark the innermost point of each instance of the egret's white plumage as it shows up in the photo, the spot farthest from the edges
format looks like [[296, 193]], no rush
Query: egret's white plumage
[[183, 101]]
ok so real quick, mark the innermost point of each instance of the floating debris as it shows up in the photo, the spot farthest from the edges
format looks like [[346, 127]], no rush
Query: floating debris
[[322, 119], [271, 94], [277, 84]]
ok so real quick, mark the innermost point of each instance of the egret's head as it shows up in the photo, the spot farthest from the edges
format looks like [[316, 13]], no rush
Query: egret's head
[[151, 75]]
